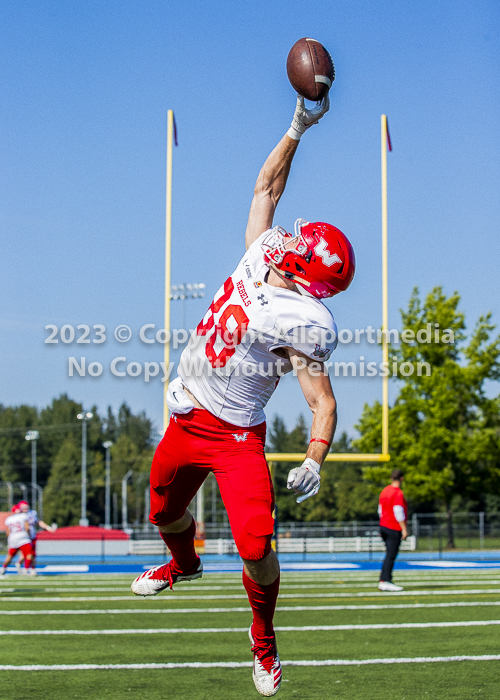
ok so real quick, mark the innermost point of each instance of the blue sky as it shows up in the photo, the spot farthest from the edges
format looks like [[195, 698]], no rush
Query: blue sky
[[85, 91]]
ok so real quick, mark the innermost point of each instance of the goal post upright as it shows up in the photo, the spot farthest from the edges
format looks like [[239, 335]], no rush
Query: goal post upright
[[168, 248], [385, 305], [384, 456]]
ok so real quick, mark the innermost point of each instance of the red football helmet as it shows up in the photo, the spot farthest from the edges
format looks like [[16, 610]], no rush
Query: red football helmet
[[15, 508], [319, 258]]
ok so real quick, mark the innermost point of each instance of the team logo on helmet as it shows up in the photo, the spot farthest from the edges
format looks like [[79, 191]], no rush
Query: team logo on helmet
[[325, 255]]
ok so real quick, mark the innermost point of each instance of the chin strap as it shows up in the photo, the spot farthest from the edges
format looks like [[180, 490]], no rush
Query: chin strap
[[298, 281]]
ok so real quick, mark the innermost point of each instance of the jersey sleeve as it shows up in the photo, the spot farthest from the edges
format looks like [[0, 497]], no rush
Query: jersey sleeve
[[314, 341], [399, 513], [399, 499]]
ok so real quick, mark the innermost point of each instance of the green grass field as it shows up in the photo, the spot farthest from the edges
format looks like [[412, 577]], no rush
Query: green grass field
[[181, 627]]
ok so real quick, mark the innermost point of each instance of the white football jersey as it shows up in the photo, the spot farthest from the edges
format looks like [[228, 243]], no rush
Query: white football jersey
[[229, 365], [33, 520], [17, 532]]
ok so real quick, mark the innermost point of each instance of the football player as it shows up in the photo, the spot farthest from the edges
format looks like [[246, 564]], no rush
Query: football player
[[33, 523], [18, 538], [267, 319]]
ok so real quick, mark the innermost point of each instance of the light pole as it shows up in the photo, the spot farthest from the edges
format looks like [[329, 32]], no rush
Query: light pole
[[107, 496], [32, 436], [187, 291], [124, 499], [84, 417]]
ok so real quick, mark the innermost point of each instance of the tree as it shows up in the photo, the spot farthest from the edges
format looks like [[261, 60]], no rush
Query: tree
[[63, 491], [281, 440], [343, 494], [15, 451], [59, 454], [444, 429]]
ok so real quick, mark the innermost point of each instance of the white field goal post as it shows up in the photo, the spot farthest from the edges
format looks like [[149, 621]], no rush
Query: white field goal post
[[384, 456]]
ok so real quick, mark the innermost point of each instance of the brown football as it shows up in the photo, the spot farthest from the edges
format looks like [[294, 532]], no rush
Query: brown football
[[310, 69]]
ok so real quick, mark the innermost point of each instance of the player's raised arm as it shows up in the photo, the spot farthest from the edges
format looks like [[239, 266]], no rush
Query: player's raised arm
[[273, 176], [317, 389]]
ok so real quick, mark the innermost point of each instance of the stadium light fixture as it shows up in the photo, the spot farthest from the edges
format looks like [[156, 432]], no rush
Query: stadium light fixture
[[32, 436], [84, 417], [107, 497], [182, 292]]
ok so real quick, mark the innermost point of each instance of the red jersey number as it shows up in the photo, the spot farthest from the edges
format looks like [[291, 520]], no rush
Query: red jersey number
[[230, 339]]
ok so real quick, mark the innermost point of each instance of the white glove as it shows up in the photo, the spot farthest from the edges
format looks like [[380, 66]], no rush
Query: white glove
[[305, 479], [305, 118]]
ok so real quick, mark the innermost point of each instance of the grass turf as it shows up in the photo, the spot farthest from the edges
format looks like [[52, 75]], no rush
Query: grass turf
[[450, 681], [457, 680]]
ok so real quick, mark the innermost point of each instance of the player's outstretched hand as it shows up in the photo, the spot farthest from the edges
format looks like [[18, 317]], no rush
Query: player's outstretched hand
[[305, 118], [305, 479]]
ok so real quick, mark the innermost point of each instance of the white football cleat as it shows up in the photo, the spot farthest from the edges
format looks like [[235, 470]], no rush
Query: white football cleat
[[18, 567], [266, 672], [154, 580], [2, 571], [389, 587], [32, 571]]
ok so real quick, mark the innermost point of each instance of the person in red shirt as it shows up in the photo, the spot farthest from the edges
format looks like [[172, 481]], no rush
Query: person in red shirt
[[393, 512]]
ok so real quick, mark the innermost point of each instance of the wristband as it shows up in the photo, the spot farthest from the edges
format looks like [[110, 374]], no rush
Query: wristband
[[293, 133], [319, 440]]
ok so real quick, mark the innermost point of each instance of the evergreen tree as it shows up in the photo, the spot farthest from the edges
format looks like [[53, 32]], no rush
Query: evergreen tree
[[59, 455], [62, 495], [15, 451]]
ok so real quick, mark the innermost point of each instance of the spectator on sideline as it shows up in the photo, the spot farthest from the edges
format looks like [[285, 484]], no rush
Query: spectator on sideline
[[393, 512]]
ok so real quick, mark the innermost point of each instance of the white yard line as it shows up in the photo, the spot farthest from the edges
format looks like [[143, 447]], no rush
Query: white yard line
[[174, 597], [248, 664], [246, 609], [299, 586], [225, 630], [366, 582]]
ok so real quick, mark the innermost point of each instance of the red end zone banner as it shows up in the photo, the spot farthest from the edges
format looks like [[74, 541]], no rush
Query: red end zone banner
[[2, 520]]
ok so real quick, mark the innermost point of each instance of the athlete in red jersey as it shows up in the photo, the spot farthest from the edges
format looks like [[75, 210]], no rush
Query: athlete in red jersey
[[393, 513], [267, 319]]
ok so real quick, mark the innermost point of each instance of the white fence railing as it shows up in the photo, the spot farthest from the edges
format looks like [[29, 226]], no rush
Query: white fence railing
[[286, 545]]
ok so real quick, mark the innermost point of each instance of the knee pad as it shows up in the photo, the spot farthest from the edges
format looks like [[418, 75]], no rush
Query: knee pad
[[254, 539]]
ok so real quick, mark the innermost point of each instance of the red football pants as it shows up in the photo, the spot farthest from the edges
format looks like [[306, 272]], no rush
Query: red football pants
[[198, 443], [26, 549]]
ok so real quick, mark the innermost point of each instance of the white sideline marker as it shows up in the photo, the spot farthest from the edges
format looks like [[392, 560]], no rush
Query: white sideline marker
[[225, 630], [248, 664]]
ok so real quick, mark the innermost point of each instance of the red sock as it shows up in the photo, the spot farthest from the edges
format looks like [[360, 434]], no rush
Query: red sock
[[263, 601], [181, 545]]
